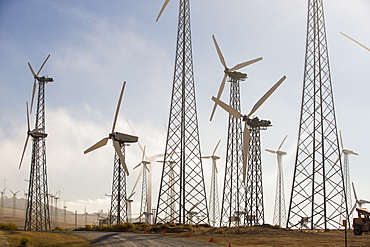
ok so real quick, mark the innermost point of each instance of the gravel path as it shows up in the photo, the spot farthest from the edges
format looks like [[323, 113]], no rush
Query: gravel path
[[136, 239]]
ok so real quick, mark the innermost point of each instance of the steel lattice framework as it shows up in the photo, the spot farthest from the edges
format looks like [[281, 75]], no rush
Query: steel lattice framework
[[118, 208], [182, 196], [214, 211], [37, 212], [279, 208], [233, 199], [318, 185], [255, 214], [145, 208]]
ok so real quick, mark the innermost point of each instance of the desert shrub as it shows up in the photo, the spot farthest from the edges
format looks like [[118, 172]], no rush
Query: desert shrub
[[25, 240], [88, 228], [124, 227], [172, 224], [57, 228], [8, 226], [220, 231]]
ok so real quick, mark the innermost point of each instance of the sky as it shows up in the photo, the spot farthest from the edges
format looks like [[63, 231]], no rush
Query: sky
[[96, 45]]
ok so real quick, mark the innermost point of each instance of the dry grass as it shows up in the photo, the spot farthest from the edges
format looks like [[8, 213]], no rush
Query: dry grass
[[270, 236], [44, 238]]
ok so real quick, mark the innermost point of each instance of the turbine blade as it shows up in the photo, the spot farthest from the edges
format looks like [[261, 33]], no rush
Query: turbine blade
[[137, 166], [206, 157], [33, 94], [351, 152], [220, 90], [118, 106], [341, 139], [242, 65], [28, 117], [214, 151], [227, 108], [271, 151], [222, 59], [42, 66], [24, 150], [266, 95], [99, 144], [133, 132], [356, 42], [282, 143], [354, 191], [137, 181], [117, 147], [246, 136], [143, 154], [162, 9], [33, 72]]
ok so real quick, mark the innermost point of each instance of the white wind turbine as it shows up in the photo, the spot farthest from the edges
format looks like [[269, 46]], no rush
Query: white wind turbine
[[229, 72], [14, 201], [2, 202], [85, 214], [214, 199], [347, 179], [171, 163], [279, 209], [246, 119], [356, 41], [147, 184], [358, 202]]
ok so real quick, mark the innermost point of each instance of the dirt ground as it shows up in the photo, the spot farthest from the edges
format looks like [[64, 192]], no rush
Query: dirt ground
[[235, 237], [269, 236], [44, 239]]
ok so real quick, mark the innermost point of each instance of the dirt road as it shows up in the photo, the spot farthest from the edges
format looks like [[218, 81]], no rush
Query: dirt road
[[137, 239]]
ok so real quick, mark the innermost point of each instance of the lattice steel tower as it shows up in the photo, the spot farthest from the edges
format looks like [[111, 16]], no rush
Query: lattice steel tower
[[233, 196], [279, 208], [318, 184], [37, 211], [233, 199], [118, 210], [182, 193], [118, 205], [254, 186]]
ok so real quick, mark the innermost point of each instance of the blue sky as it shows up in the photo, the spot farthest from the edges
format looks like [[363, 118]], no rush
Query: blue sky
[[96, 45]]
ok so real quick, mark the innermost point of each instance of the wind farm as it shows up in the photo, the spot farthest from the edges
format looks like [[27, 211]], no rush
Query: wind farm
[[169, 71]]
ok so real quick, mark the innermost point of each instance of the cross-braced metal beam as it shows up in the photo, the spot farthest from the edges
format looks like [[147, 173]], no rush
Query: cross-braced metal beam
[[318, 183], [182, 189]]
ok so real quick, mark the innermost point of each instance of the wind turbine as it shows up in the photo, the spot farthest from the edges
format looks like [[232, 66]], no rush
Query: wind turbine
[[254, 191], [85, 214], [347, 179], [146, 188], [2, 201], [172, 185], [232, 73], [233, 197], [279, 209], [14, 202], [247, 120], [118, 212], [358, 202], [356, 41], [37, 212], [214, 200], [98, 216]]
